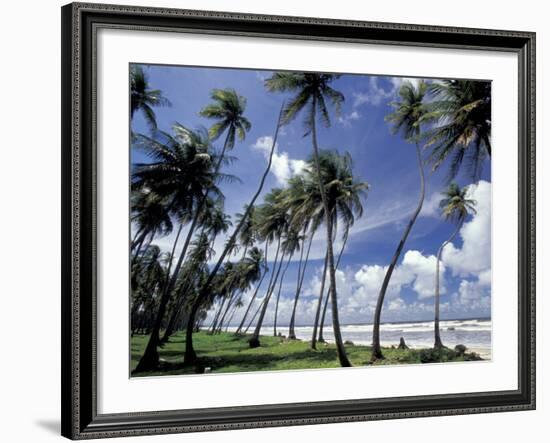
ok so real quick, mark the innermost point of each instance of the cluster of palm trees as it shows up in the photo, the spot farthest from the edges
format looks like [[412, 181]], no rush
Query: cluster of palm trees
[[180, 190]]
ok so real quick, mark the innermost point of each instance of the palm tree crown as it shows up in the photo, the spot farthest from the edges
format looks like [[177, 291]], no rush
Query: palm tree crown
[[227, 110], [310, 89], [142, 97], [454, 205], [462, 112], [409, 111]]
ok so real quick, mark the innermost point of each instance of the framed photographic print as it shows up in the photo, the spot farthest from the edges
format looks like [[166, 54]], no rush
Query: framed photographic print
[[273, 221]]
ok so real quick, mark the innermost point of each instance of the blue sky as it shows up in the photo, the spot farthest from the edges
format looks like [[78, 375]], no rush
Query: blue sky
[[385, 161]]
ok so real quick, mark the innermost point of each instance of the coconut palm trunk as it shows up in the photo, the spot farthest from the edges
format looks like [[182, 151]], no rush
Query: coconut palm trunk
[[190, 355], [376, 349], [254, 342], [241, 324], [251, 322], [438, 344], [319, 304], [342, 357], [279, 296], [291, 331], [231, 300], [322, 325]]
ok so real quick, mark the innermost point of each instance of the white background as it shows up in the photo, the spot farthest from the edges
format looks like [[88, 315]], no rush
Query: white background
[[30, 188]]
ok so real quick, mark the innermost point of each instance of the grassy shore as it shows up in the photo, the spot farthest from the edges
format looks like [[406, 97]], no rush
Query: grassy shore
[[227, 352]]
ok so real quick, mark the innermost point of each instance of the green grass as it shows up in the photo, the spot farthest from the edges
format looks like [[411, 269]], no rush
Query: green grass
[[227, 352]]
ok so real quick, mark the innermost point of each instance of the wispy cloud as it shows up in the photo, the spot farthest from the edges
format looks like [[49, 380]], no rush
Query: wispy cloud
[[347, 119]]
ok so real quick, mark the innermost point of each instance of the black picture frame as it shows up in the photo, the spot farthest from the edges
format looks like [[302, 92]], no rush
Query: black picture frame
[[80, 419]]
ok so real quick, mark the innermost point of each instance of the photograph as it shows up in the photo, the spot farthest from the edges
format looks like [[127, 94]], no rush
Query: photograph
[[295, 220]]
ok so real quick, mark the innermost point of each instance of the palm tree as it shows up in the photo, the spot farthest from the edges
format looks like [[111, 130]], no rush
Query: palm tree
[[150, 217], [290, 245], [462, 112], [272, 226], [345, 194], [147, 275], [312, 91], [200, 252], [407, 119], [228, 109], [455, 207], [181, 172], [190, 355], [142, 98], [247, 272]]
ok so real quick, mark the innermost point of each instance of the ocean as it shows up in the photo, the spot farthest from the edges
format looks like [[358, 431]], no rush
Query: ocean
[[475, 334]]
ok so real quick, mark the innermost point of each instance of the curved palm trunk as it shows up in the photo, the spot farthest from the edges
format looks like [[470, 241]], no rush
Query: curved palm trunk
[[190, 355], [258, 309], [171, 260], [321, 338], [214, 324], [241, 324], [219, 327], [279, 296], [254, 342], [174, 315], [319, 304], [437, 342], [376, 350], [342, 356], [291, 332], [139, 244], [150, 358]]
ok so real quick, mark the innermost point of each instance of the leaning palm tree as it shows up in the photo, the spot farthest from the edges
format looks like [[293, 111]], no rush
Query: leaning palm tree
[[202, 296], [407, 119], [142, 97], [345, 195], [461, 110], [248, 271], [150, 217], [227, 110], [455, 207], [181, 172], [273, 226], [311, 92], [290, 245]]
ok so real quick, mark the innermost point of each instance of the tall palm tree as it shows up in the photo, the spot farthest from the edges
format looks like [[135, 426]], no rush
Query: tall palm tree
[[202, 296], [143, 98], [227, 111], [247, 271], [200, 252], [462, 112], [290, 245], [311, 93], [455, 207], [273, 226], [181, 172], [407, 119]]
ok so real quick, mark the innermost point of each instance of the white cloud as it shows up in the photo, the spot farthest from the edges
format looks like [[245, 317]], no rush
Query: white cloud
[[282, 166], [430, 208], [474, 256], [376, 94], [346, 119]]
